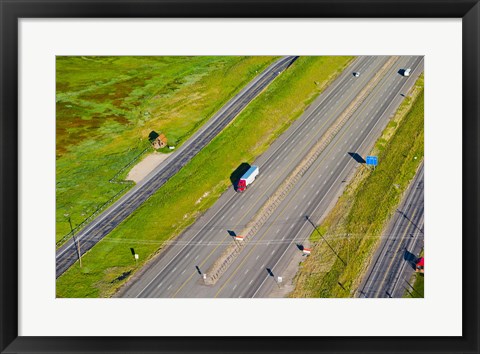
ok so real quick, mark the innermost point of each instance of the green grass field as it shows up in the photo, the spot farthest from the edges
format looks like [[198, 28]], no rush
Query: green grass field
[[199, 184], [354, 225], [107, 106]]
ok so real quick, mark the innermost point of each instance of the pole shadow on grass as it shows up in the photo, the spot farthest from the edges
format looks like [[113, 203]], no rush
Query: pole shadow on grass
[[239, 172], [325, 240], [357, 157]]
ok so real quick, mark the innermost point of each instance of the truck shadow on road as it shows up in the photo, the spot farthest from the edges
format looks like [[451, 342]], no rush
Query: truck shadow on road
[[239, 172]]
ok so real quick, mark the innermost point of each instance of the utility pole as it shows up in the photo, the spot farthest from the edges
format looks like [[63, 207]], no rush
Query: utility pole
[[76, 244]]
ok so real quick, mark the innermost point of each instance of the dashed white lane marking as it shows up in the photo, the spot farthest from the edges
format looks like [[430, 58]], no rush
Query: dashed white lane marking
[[331, 173], [273, 251], [223, 217], [184, 271], [196, 258], [174, 269], [324, 182], [235, 286], [251, 281], [188, 254], [291, 226], [233, 216], [242, 207], [246, 271], [296, 206], [278, 231], [169, 287], [263, 265], [313, 185], [159, 285], [283, 238], [257, 257], [304, 196], [277, 157], [318, 191], [309, 203]]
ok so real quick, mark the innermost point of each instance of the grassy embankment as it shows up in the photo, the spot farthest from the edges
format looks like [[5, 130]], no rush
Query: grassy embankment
[[354, 225], [417, 290], [107, 106], [199, 184]]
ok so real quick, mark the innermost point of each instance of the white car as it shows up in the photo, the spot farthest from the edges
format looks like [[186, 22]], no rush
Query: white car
[[356, 74], [407, 72]]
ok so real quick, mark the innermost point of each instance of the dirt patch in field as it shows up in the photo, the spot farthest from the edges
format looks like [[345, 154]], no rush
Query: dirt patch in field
[[144, 167]]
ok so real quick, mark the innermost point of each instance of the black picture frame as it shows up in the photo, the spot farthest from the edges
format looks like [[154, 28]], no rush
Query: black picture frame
[[12, 11]]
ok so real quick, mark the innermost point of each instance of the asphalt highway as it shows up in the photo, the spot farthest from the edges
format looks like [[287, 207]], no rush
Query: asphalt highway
[[120, 210], [394, 262], [178, 271]]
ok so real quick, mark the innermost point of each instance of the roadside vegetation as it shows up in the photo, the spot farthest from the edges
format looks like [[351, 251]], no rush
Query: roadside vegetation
[[354, 226], [106, 108], [417, 291], [199, 184], [417, 288]]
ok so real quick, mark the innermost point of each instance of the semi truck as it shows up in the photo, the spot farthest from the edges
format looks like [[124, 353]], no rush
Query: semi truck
[[247, 178]]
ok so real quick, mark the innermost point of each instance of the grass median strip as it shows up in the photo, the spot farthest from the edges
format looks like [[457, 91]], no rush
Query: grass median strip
[[199, 184], [354, 226]]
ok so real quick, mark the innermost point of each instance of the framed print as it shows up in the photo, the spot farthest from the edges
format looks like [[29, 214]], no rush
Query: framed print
[[221, 176]]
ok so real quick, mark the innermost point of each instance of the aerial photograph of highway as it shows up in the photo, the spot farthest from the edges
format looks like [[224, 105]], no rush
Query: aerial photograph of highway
[[239, 177]]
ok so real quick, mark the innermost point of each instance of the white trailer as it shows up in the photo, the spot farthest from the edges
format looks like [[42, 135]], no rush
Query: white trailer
[[247, 178]]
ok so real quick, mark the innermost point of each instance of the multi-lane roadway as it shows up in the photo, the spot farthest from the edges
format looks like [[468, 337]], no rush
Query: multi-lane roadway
[[67, 254], [179, 270], [392, 266]]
